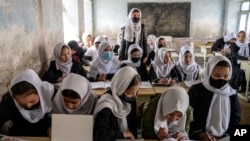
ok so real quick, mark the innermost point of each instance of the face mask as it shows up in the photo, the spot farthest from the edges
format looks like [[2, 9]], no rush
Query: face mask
[[135, 20], [135, 59], [34, 107], [107, 55], [217, 83], [126, 99]]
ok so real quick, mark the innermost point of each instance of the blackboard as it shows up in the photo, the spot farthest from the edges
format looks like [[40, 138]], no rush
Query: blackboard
[[165, 19]]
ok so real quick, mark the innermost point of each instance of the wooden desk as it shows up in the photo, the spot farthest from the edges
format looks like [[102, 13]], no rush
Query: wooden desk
[[35, 138], [217, 53], [162, 89], [205, 50], [141, 92], [245, 65]]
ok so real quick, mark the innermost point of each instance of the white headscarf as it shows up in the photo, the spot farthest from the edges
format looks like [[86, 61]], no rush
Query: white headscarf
[[173, 99], [45, 92], [129, 62], [229, 37], [82, 87], [92, 51], [133, 30], [119, 108], [217, 124], [65, 67], [119, 39], [157, 42], [84, 38], [244, 48], [153, 39], [190, 70], [162, 70], [104, 66]]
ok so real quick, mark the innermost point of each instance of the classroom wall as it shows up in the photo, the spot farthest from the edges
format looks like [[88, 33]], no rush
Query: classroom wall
[[29, 30], [207, 16]]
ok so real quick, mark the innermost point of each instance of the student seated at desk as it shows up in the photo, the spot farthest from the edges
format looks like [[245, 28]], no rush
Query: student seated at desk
[[27, 105], [215, 104], [74, 96], [77, 52], [63, 65], [166, 115], [224, 42], [162, 68], [104, 65], [186, 68], [115, 112], [134, 60], [91, 52]]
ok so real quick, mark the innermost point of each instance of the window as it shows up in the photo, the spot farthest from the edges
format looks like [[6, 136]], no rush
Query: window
[[244, 23]]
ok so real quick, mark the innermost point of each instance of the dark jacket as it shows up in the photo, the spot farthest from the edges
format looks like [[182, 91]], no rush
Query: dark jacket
[[79, 51], [153, 76], [234, 51], [106, 124], [142, 71], [200, 99], [21, 127], [218, 45], [180, 76], [53, 73], [151, 57], [123, 54], [149, 117]]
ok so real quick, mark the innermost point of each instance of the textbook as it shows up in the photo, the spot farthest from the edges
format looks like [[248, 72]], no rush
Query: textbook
[[145, 84], [8, 138], [100, 85]]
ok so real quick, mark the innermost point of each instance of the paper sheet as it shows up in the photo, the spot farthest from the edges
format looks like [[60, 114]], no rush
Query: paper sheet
[[101, 84], [145, 84]]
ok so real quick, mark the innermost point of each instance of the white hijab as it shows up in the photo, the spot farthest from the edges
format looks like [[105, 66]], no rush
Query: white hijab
[[190, 70], [229, 37], [153, 39], [45, 92], [65, 67], [82, 87], [104, 66], [244, 48], [173, 99], [119, 108], [133, 30], [84, 38], [217, 124], [162, 70], [129, 61]]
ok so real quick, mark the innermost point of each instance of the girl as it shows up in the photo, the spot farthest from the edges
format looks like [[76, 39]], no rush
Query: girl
[[134, 57], [104, 65], [77, 52], [134, 33], [27, 105], [160, 70], [75, 96], [115, 112], [215, 103], [224, 42], [170, 115], [63, 65], [91, 52], [151, 48], [86, 40], [186, 69]]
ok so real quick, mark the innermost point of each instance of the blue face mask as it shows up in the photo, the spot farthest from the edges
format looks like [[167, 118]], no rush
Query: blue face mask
[[107, 55]]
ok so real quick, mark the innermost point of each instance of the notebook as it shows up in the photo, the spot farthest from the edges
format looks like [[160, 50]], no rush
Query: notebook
[[71, 127], [145, 84], [8, 138], [100, 85]]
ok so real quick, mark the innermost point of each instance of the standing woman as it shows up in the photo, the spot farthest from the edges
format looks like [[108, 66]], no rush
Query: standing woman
[[115, 112], [134, 33]]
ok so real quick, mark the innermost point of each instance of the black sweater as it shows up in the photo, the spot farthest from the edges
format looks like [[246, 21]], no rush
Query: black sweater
[[218, 45], [106, 124], [200, 99], [53, 73], [142, 71], [123, 54], [21, 127], [154, 78]]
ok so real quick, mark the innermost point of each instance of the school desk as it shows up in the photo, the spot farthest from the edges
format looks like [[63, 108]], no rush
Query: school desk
[[162, 89], [217, 53], [47, 139], [206, 50], [245, 65]]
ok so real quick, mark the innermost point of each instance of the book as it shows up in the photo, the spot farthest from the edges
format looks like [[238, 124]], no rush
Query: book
[[145, 84], [100, 85], [8, 138]]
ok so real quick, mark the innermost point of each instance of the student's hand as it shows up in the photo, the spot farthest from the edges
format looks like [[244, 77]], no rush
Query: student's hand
[[206, 137], [162, 133], [145, 60], [179, 136], [163, 81], [173, 82], [128, 135], [60, 79], [102, 77]]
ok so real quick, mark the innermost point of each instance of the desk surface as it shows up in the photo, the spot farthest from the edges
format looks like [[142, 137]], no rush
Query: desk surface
[[45, 139], [207, 47], [141, 92], [162, 89]]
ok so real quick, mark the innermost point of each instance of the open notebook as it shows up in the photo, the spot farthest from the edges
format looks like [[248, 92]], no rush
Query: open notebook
[[8, 138], [105, 85], [71, 127]]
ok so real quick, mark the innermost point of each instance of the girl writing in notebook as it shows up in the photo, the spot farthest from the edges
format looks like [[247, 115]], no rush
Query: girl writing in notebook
[[115, 112], [27, 105], [215, 104]]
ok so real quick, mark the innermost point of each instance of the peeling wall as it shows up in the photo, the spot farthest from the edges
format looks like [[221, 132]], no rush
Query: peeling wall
[[207, 16], [29, 30]]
